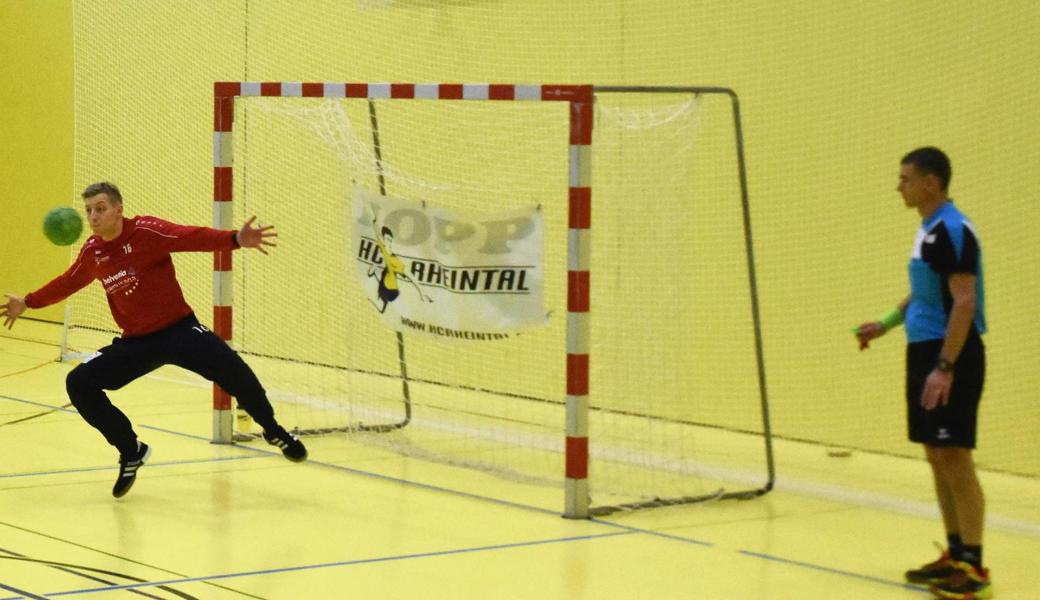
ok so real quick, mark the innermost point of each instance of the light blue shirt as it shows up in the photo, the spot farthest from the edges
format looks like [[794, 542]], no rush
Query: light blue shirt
[[945, 244]]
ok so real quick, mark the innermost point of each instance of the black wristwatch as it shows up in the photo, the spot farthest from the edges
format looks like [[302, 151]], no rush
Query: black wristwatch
[[943, 365]]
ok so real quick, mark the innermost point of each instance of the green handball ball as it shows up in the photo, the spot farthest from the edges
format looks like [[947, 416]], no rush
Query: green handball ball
[[62, 226]]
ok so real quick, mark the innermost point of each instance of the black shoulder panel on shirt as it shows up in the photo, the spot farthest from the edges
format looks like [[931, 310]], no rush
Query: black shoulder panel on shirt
[[969, 259], [937, 250]]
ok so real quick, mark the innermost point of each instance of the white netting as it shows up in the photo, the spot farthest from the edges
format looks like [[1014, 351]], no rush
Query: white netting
[[334, 364], [674, 394], [674, 386]]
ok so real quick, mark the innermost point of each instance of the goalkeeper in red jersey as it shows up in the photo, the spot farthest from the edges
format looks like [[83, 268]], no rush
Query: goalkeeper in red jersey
[[130, 257]]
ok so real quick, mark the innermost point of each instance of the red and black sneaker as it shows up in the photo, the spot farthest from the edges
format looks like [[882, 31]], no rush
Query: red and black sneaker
[[933, 572], [967, 583]]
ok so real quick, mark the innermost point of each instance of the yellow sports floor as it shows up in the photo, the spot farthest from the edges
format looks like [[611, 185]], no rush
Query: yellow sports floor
[[223, 522]]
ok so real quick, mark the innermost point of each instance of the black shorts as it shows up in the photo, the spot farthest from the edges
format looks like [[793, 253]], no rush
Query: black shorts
[[954, 424]]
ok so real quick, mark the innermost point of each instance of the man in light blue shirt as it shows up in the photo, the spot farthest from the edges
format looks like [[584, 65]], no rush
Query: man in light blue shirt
[[945, 366]]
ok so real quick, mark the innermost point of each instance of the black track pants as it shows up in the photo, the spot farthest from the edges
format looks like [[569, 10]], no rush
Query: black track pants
[[186, 344]]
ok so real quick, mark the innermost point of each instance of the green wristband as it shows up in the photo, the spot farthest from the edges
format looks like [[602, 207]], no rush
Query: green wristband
[[891, 319]]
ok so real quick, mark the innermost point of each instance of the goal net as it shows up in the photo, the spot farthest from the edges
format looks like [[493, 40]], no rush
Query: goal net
[[673, 406]]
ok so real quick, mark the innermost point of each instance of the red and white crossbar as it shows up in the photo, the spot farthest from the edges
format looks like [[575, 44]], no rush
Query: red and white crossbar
[[580, 99]]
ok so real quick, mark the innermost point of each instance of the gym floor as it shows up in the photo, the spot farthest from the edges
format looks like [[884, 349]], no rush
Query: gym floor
[[223, 522]]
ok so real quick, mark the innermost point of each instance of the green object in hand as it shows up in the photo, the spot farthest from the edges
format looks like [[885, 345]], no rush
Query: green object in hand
[[889, 320]]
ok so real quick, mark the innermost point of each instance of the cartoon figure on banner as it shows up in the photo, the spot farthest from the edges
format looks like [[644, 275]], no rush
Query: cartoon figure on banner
[[393, 270]]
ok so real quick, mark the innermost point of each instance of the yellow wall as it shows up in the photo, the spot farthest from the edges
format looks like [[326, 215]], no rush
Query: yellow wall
[[833, 95], [36, 152]]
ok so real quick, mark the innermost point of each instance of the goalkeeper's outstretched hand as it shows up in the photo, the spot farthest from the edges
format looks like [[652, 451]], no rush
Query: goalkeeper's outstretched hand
[[256, 237], [12, 310]]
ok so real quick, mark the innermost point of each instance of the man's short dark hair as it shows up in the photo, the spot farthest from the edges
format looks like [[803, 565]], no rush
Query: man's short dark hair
[[931, 161], [103, 187]]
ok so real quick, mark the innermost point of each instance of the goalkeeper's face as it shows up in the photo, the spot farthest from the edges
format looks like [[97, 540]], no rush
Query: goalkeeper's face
[[104, 215]]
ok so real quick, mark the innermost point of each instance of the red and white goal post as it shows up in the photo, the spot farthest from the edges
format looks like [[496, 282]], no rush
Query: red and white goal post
[[579, 101]]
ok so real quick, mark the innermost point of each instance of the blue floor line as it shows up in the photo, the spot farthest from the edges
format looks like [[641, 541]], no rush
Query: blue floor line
[[345, 563], [833, 571], [769, 557], [660, 534], [113, 467]]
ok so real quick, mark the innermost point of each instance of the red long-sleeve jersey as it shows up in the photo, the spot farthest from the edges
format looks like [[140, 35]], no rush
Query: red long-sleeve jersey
[[136, 271]]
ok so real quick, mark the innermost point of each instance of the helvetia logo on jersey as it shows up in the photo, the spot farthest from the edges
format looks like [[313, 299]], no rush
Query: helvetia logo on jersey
[[121, 281], [114, 278]]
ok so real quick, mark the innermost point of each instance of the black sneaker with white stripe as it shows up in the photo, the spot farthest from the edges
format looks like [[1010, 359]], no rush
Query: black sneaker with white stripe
[[291, 446], [128, 467]]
